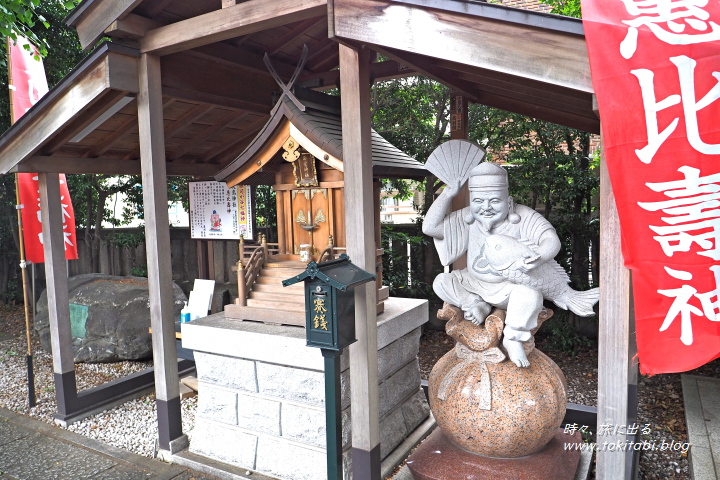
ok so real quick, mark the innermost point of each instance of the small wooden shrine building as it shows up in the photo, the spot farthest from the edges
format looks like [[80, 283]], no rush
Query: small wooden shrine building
[[299, 152]]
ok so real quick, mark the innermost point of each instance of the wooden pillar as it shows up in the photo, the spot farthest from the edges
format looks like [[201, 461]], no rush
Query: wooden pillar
[[281, 213], [202, 258], [211, 259], [57, 294], [288, 222], [157, 234], [459, 131], [459, 128], [617, 372], [360, 241], [377, 190]]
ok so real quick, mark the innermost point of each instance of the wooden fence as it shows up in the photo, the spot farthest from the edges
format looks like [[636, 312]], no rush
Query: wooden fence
[[122, 253], [409, 263]]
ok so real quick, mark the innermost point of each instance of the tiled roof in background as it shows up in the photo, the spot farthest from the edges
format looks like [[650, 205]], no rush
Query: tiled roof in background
[[534, 5]]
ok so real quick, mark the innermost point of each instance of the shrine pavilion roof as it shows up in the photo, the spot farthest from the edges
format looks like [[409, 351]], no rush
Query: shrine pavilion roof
[[318, 130], [217, 94]]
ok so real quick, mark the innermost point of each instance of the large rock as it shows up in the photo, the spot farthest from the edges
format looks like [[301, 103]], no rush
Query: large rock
[[109, 317]]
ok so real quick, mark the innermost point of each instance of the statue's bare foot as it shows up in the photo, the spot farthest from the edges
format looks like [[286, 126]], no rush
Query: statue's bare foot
[[516, 352], [478, 312]]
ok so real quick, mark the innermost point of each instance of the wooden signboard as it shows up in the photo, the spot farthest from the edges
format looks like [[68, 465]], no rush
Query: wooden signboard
[[220, 213]]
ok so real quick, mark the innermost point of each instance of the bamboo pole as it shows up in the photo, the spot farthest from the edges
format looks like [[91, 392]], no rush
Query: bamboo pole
[[23, 264]]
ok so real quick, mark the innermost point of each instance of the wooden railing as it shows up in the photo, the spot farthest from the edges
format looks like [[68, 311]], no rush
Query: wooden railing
[[254, 257], [251, 262], [331, 251]]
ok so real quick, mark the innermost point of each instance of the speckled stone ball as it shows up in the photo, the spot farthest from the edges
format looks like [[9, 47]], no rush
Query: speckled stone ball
[[527, 405]]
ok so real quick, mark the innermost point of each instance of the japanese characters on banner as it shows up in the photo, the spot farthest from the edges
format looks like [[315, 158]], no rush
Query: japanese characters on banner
[[220, 213], [32, 221], [656, 74], [28, 86]]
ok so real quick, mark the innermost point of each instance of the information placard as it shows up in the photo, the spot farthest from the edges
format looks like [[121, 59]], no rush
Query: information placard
[[220, 213]]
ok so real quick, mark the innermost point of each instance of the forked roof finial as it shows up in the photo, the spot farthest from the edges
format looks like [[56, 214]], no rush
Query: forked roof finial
[[286, 88]]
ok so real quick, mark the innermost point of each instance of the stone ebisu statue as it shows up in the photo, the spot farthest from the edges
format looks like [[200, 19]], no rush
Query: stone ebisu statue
[[510, 249]]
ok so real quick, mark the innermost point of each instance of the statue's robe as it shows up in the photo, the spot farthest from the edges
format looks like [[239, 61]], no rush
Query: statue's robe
[[479, 280]]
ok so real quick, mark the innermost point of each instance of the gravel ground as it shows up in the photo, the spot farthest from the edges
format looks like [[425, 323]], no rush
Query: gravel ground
[[132, 426]]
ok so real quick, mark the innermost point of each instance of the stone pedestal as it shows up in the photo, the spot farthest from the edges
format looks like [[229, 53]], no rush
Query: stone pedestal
[[261, 399], [437, 458]]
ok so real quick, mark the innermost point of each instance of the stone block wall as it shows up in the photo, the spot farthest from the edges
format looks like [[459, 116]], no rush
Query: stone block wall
[[266, 412]]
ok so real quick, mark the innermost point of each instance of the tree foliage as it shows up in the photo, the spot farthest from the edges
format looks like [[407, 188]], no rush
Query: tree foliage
[[569, 8], [29, 17], [549, 165], [266, 211], [405, 245], [90, 194], [18, 17], [412, 114], [551, 170]]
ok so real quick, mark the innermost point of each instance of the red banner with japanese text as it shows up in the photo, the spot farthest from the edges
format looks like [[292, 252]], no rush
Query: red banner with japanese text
[[27, 87], [32, 223], [656, 75]]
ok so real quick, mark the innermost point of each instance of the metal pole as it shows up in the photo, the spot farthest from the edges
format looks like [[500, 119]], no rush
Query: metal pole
[[333, 424], [23, 269]]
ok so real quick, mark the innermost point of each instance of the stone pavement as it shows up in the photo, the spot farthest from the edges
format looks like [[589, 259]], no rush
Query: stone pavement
[[702, 415], [33, 450]]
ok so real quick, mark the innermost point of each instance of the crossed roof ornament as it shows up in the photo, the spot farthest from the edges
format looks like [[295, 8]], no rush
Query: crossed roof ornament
[[286, 88]]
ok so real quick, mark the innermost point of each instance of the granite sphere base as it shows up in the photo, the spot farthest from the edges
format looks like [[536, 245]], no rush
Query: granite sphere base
[[437, 458], [487, 405]]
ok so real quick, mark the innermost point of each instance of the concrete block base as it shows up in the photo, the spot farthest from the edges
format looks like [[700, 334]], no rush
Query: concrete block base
[[261, 387]]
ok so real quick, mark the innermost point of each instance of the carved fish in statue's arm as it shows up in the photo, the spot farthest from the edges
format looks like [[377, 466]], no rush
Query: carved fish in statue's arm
[[505, 254]]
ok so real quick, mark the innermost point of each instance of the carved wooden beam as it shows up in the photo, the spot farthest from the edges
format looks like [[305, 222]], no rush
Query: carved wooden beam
[[234, 21], [111, 166], [91, 19]]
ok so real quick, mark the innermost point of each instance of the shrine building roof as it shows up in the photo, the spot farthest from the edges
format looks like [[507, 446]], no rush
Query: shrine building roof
[[318, 130]]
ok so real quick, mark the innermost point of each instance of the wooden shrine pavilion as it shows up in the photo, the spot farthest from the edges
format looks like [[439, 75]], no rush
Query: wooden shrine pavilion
[[182, 90], [299, 152]]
